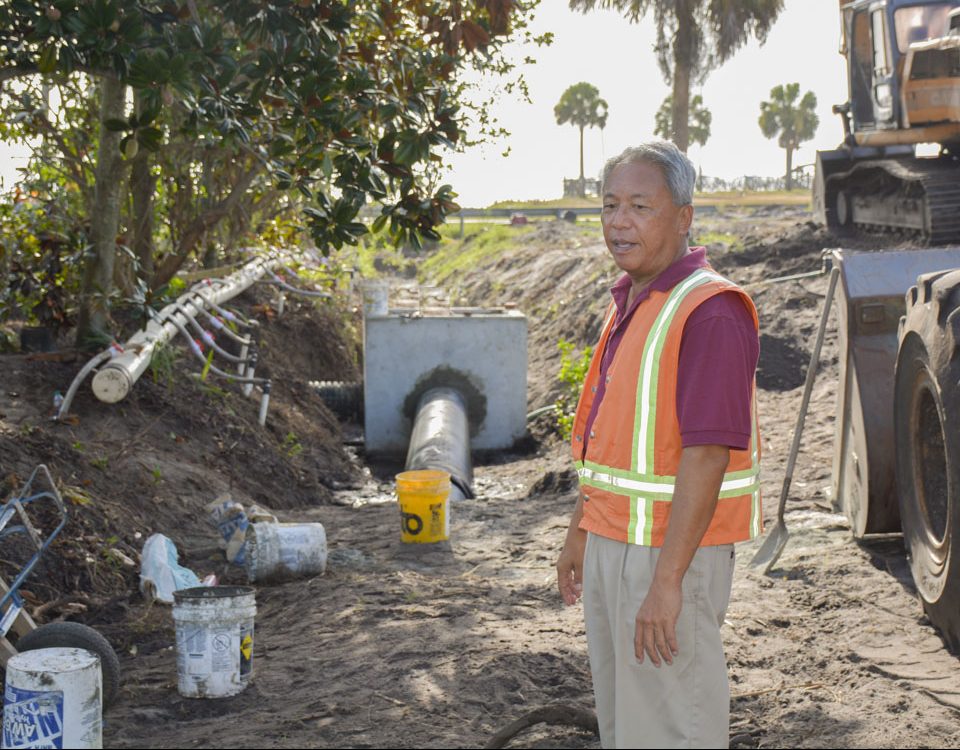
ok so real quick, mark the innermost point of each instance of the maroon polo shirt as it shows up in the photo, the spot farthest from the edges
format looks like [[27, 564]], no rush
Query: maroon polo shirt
[[718, 358]]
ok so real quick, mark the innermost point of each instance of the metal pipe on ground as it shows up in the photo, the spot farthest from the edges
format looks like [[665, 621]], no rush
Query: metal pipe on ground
[[441, 439]]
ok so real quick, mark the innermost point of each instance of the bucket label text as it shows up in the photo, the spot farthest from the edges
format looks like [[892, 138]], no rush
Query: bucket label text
[[32, 718]]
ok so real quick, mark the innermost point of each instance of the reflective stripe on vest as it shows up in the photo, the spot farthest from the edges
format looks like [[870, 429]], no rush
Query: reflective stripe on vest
[[639, 484]]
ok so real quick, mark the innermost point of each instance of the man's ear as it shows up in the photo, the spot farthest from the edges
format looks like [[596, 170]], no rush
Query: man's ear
[[685, 220]]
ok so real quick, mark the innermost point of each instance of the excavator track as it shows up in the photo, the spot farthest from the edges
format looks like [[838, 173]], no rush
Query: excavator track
[[920, 197]]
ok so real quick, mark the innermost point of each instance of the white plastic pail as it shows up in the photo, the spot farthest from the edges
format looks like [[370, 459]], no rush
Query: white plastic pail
[[277, 551], [52, 698], [214, 640]]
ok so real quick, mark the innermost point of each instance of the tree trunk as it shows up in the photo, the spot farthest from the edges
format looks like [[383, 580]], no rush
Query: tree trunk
[[683, 59], [143, 184], [93, 318], [789, 178], [581, 187]]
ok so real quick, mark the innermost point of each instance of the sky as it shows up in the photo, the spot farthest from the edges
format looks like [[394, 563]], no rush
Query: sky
[[617, 57]]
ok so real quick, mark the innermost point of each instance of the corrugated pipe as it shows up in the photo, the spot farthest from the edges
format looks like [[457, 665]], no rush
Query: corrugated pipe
[[441, 439]]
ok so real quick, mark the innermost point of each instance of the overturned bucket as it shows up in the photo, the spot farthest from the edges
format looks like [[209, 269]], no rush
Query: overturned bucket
[[283, 551], [423, 496], [214, 627], [52, 699]]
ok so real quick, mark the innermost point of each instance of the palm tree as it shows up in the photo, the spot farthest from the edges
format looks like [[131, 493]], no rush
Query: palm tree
[[694, 37], [794, 121], [698, 125], [582, 106]]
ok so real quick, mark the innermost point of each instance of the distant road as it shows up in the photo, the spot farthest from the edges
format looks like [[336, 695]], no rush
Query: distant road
[[588, 212]]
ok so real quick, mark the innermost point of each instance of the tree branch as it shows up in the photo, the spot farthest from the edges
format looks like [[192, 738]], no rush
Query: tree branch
[[199, 226]]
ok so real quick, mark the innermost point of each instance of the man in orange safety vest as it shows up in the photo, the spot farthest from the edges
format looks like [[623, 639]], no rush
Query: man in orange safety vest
[[667, 451]]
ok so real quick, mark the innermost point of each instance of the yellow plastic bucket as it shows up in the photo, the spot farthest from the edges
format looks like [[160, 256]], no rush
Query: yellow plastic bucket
[[422, 495]]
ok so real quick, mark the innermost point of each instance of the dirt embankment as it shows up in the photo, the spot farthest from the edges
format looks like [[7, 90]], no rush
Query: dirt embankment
[[409, 646]]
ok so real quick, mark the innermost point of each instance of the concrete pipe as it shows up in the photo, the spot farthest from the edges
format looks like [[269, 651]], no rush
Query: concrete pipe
[[441, 439]]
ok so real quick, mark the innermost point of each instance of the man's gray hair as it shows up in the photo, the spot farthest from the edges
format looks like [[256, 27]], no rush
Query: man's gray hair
[[677, 169]]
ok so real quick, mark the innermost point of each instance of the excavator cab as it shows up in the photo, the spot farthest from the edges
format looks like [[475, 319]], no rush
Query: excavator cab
[[877, 37], [903, 75]]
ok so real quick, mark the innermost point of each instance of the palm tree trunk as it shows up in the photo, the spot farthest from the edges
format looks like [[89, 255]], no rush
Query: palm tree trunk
[[93, 317], [789, 178], [581, 186], [683, 53]]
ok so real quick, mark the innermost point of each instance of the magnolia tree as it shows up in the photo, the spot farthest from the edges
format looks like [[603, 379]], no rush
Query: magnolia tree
[[235, 110]]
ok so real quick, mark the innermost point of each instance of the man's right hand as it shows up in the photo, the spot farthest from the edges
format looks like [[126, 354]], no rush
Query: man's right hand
[[570, 567], [570, 564]]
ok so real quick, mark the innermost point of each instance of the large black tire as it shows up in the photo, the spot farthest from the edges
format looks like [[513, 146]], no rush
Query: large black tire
[[77, 635], [926, 419]]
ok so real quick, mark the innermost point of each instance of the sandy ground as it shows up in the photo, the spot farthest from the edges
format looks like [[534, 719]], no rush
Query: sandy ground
[[444, 645]]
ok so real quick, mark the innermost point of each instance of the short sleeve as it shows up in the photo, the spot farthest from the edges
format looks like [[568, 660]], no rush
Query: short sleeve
[[718, 361]]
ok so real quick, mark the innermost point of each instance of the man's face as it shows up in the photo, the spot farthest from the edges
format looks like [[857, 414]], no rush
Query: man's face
[[644, 231]]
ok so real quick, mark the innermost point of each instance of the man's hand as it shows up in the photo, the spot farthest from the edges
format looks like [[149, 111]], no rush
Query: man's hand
[[656, 624], [570, 566], [694, 501]]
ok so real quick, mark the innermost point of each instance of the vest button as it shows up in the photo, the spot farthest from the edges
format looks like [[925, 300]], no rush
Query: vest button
[[579, 438], [607, 381], [592, 434], [593, 389]]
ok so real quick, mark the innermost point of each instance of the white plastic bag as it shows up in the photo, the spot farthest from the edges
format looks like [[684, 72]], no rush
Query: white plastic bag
[[160, 573]]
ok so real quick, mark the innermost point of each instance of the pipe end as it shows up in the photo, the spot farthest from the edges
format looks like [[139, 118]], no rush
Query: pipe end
[[111, 385]]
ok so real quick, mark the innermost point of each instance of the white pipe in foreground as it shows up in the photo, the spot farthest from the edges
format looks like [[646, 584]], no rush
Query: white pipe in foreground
[[115, 380]]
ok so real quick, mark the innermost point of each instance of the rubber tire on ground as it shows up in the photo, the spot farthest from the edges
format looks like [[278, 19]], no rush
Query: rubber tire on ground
[[77, 635], [926, 411]]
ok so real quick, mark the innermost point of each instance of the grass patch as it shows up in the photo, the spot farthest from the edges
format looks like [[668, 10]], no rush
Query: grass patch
[[481, 242], [732, 242], [554, 203], [754, 198]]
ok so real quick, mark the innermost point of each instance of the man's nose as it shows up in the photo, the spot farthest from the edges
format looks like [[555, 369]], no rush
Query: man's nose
[[619, 217]]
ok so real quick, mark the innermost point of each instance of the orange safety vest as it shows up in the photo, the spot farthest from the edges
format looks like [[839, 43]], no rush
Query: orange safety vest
[[629, 469]]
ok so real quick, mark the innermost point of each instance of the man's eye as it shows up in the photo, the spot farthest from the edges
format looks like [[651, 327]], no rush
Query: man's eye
[[608, 206]]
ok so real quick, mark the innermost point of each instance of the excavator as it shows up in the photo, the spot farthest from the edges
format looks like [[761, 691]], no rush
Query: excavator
[[903, 68], [896, 463]]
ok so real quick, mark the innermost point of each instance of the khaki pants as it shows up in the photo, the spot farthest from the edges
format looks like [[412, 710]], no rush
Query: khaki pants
[[683, 705]]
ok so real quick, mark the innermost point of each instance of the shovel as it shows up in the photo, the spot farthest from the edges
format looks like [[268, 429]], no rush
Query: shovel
[[776, 540]]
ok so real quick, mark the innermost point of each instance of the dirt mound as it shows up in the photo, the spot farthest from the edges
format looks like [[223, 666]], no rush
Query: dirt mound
[[151, 462]]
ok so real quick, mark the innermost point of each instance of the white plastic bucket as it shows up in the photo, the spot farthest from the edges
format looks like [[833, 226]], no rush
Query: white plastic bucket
[[214, 627], [52, 698], [375, 297], [278, 551]]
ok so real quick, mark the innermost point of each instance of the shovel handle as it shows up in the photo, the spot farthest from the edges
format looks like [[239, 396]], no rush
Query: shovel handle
[[807, 390]]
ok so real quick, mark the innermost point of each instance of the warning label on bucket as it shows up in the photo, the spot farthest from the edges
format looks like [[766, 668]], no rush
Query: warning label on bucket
[[222, 657], [246, 650], [32, 718]]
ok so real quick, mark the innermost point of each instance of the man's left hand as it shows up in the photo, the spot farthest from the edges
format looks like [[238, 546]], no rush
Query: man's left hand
[[656, 624]]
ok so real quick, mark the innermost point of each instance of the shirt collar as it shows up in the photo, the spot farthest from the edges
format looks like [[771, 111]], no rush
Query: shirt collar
[[676, 272]]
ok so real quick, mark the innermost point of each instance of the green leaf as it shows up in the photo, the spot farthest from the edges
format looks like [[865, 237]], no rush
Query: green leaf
[[116, 125], [48, 59]]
